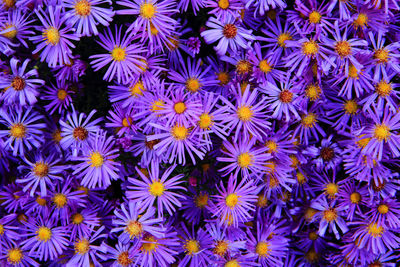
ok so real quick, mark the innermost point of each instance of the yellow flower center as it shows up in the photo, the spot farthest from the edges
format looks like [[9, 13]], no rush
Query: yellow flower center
[[350, 107], [362, 142], [41, 169], [156, 188], [179, 107], [229, 31], [282, 38], [310, 48], [375, 230], [157, 106], [82, 246], [173, 43], [43, 234], [82, 8], [355, 197], [179, 132], [137, 89], [244, 113], [262, 249], [313, 236], [301, 179], [313, 92], [61, 94], [191, 247], [381, 55], [272, 146], [223, 4], [150, 245], [205, 121], [80, 133], [312, 256], [383, 209], [126, 122], [343, 48], [265, 66], [361, 21], [383, 88], [134, 228], [96, 159], [10, 34], [261, 201], [331, 189], [18, 83], [9, 4], [309, 213], [147, 10], [330, 215], [41, 201], [315, 17], [353, 72], [309, 120], [193, 85], [201, 200], [245, 160], [232, 200], [60, 200], [14, 256], [52, 35], [18, 130], [243, 67], [232, 263], [221, 247], [124, 259], [223, 78], [285, 96], [381, 132], [77, 218], [118, 53]]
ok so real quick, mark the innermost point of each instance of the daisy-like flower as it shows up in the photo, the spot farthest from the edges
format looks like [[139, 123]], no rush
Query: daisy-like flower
[[123, 56], [72, 71], [235, 202], [77, 130], [134, 222], [59, 96], [42, 172], [327, 156], [343, 114], [45, 238], [262, 6], [121, 120], [223, 9], [195, 246], [18, 256], [196, 5], [385, 212], [196, 207], [122, 255], [98, 167], [223, 242], [157, 188], [20, 86], [231, 36], [85, 15], [309, 126], [82, 222], [353, 198], [55, 39], [244, 157], [16, 26], [248, 115], [24, 131]]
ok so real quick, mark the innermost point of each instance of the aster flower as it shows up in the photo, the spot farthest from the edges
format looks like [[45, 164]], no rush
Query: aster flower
[[144, 148], [385, 212], [16, 26], [84, 15], [353, 198], [12, 197], [56, 44], [224, 8], [18, 256], [196, 206], [129, 95], [157, 188], [264, 5], [98, 167], [196, 5], [82, 222], [122, 254], [122, 120], [366, 19], [59, 97], [123, 56], [24, 131], [71, 72], [229, 34], [21, 85], [327, 156], [235, 201], [223, 243], [309, 126], [343, 114]]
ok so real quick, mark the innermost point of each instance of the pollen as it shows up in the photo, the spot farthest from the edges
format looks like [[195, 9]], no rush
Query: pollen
[[61, 94], [77, 218], [179, 107], [180, 132], [243, 67], [82, 8], [353, 72], [375, 230], [118, 53], [41, 169], [331, 189], [272, 146], [223, 78], [229, 31], [149, 245], [96, 159], [327, 153], [10, 34], [313, 92], [18, 130], [41, 201], [201, 200], [147, 10], [134, 228], [261, 201], [282, 38], [43, 233], [60, 200], [193, 85], [156, 188], [205, 121], [232, 263], [350, 107], [82, 246], [343, 48], [245, 160], [137, 89], [315, 17], [245, 113], [381, 132], [80, 133], [383, 88], [262, 249], [14, 256], [232, 200], [57, 136], [127, 122], [265, 66], [123, 259], [312, 236], [309, 213], [383, 209], [157, 106], [191, 247], [221, 247], [173, 43], [18, 83], [310, 48], [361, 21], [52, 36], [309, 120], [355, 197], [223, 4], [381, 55], [285, 96], [330, 215], [301, 179]]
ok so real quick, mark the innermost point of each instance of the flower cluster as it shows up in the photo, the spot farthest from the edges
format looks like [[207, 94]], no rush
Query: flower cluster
[[199, 133]]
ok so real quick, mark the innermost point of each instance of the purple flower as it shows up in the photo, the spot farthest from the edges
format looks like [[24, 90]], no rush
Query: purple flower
[[59, 97]]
